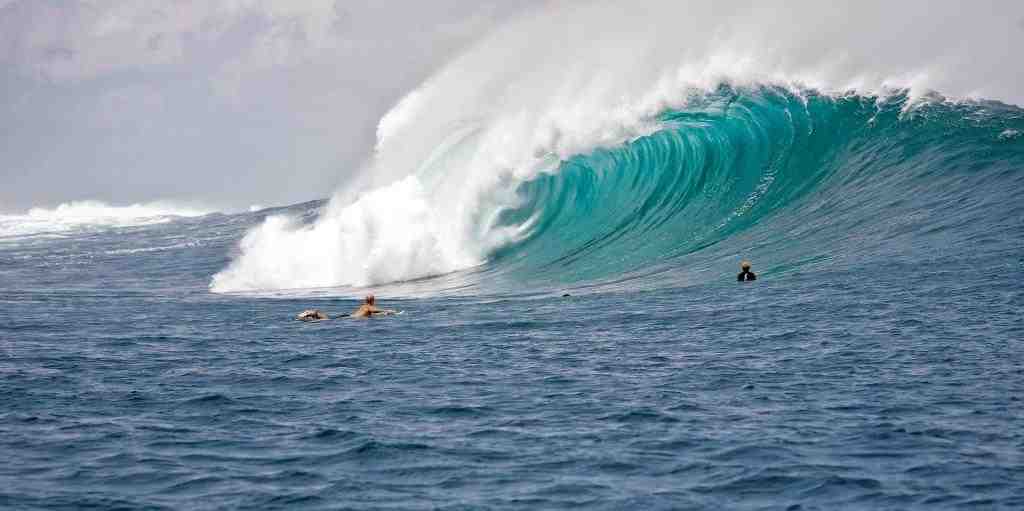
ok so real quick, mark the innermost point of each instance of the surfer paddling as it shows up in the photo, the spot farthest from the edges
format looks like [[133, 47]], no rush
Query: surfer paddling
[[746, 275], [366, 310], [369, 309], [312, 315]]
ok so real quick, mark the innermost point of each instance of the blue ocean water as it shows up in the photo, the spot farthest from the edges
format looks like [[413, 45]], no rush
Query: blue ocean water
[[877, 362]]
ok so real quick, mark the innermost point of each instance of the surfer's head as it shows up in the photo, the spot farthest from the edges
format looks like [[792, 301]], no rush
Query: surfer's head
[[745, 265], [370, 299]]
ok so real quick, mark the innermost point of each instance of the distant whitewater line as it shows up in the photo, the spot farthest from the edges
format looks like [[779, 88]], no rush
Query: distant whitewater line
[[85, 214]]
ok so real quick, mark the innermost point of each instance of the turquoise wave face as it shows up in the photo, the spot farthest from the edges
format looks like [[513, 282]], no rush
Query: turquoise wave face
[[794, 182]]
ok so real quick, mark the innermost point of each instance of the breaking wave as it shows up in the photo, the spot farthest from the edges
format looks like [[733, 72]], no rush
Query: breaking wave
[[550, 156], [88, 214]]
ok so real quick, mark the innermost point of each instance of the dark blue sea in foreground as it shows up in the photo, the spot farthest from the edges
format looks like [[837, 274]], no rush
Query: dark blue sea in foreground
[[877, 363]]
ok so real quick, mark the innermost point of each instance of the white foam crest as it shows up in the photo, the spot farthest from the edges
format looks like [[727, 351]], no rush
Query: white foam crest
[[90, 214], [386, 235], [574, 77]]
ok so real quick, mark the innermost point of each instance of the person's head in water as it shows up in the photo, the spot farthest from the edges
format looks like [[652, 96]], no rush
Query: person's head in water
[[370, 299], [746, 274]]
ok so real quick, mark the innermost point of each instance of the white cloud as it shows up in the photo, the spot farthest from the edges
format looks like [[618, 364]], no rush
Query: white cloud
[[263, 100], [90, 38]]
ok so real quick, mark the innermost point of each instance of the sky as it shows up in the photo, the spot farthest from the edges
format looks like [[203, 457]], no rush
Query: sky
[[224, 104], [218, 103]]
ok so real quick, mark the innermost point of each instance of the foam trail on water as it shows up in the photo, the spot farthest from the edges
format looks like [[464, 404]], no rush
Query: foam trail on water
[[571, 78]]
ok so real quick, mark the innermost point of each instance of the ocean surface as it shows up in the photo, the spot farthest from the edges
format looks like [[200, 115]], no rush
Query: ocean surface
[[601, 356]]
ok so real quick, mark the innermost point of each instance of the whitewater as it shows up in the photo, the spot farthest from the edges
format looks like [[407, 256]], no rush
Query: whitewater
[[561, 211]]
